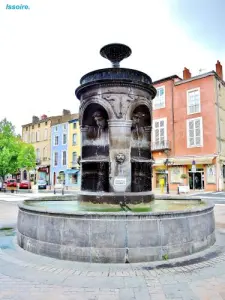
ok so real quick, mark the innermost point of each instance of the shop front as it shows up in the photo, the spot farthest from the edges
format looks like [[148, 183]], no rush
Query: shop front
[[205, 175], [43, 173]]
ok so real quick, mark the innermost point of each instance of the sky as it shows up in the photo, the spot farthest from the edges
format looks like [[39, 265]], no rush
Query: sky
[[45, 50]]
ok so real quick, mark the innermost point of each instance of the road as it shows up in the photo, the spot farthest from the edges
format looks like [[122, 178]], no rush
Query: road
[[216, 197]]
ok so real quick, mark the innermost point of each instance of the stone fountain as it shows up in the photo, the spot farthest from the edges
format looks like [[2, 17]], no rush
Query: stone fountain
[[115, 218], [115, 120]]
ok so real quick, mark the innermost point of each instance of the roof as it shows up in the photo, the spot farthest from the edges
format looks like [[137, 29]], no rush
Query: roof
[[55, 119], [167, 79]]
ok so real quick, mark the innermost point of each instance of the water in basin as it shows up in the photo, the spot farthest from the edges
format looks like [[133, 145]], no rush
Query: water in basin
[[154, 206]]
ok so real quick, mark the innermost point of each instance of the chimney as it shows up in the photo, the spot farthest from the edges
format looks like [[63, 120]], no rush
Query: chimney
[[219, 69], [35, 119], [186, 74], [66, 112], [43, 117]]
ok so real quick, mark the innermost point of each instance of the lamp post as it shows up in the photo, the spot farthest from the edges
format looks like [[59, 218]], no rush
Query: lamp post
[[167, 163]]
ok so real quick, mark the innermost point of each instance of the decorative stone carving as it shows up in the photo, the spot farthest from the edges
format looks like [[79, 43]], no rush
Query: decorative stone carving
[[99, 119], [120, 158], [118, 103]]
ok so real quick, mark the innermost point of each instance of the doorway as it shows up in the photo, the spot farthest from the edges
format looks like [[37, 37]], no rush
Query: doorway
[[196, 180]]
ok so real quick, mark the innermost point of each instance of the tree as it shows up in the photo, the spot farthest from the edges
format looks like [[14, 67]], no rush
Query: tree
[[14, 154], [27, 157]]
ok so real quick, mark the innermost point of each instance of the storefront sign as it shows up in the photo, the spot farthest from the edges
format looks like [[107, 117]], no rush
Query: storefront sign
[[211, 174], [120, 181], [193, 168], [176, 174]]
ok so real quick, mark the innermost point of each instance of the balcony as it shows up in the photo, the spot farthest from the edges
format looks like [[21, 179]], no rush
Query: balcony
[[162, 145]]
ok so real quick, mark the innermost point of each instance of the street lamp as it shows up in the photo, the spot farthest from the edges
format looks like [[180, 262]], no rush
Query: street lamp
[[167, 163]]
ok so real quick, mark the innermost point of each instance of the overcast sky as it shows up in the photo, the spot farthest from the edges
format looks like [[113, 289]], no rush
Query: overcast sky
[[45, 50]]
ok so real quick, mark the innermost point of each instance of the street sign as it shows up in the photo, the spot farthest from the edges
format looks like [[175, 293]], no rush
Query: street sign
[[193, 168]]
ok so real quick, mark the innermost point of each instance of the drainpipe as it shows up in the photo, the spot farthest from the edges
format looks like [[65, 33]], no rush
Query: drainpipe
[[219, 132], [172, 115]]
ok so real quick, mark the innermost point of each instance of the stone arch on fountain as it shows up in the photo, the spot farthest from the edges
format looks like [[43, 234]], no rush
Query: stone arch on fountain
[[142, 106], [95, 105]]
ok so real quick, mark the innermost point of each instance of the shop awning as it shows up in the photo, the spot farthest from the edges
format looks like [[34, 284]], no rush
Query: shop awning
[[186, 161], [71, 171], [198, 160]]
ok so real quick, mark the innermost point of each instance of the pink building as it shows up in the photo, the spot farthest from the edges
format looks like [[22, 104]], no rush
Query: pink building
[[189, 129]]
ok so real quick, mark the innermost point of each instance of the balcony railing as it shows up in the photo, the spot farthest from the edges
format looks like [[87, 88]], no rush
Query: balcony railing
[[162, 145]]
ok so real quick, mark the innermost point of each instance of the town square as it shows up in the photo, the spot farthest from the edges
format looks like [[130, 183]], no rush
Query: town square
[[112, 158]]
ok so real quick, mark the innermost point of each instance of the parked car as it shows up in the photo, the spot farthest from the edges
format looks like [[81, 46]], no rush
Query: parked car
[[42, 184], [25, 184], [11, 183]]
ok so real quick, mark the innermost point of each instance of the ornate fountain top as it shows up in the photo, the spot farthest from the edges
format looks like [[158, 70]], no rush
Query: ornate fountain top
[[115, 53]]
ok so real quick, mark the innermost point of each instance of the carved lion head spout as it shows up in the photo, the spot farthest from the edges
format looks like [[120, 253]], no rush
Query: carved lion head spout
[[136, 118], [120, 158], [99, 119]]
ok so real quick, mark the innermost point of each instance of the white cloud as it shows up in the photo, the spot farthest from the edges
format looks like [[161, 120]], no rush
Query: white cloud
[[45, 50]]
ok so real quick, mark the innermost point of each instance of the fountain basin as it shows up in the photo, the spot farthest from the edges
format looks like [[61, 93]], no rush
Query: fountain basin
[[68, 232]]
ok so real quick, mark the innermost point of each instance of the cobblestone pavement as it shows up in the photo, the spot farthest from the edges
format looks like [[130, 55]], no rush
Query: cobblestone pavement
[[24, 275]]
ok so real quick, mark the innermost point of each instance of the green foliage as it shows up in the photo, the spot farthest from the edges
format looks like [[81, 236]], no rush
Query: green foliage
[[183, 176], [26, 157], [14, 154], [165, 257]]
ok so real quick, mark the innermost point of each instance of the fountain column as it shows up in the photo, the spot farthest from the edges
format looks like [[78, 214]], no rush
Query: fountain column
[[120, 165]]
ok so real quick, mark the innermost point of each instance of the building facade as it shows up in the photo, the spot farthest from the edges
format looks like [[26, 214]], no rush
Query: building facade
[[59, 148], [38, 133], [188, 132], [59, 145], [73, 171]]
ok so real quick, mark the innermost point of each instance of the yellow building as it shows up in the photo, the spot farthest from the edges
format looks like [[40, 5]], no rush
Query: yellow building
[[38, 133], [74, 152]]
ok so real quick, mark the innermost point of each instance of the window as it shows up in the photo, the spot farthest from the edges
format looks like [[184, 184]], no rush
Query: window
[[38, 153], [38, 136], [73, 178], [56, 128], [64, 127], [55, 158], [74, 157], [194, 133], [193, 101], [64, 158], [33, 137], [39, 125], [159, 101], [45, 151], [46, 134], [74, 139], [26, 128], [25, 139], [74, 125], [56, 140], [46, 123], [32, 126], [64, 138], [159, 133]]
